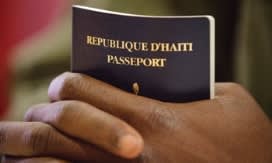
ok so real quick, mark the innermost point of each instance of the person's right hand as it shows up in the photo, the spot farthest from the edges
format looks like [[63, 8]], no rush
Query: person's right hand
[[91, 120]]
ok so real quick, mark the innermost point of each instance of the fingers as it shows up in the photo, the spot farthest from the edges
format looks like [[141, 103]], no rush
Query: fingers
[[92, 125], [103, 96], [8, 159], [29, 139]]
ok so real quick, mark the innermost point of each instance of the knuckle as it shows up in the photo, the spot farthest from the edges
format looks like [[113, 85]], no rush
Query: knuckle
[[234, 86], [160, 115], [154, 115], [236, 90], [236, 96], [37, 138]]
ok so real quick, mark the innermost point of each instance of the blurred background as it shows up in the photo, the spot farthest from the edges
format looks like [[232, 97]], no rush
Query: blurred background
[[35, 44]]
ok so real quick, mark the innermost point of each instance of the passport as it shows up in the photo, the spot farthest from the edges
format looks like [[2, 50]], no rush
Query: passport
[[168, 58]]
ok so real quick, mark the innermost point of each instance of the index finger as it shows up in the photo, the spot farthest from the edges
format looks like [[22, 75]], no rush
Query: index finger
[[102, 95]]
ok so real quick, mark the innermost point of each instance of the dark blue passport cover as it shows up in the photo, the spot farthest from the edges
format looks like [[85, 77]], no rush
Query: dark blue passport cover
[[168, 72]]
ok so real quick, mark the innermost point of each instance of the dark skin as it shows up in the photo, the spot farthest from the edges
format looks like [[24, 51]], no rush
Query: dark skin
[[89, 120]]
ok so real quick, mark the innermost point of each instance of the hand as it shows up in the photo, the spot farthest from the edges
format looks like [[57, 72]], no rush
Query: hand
[[95, 121]]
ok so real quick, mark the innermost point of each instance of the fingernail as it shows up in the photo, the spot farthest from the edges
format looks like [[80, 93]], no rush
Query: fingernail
[[130, 146]]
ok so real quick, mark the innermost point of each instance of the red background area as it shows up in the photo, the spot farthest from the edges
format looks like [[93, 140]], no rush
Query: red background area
[[19, 20]]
